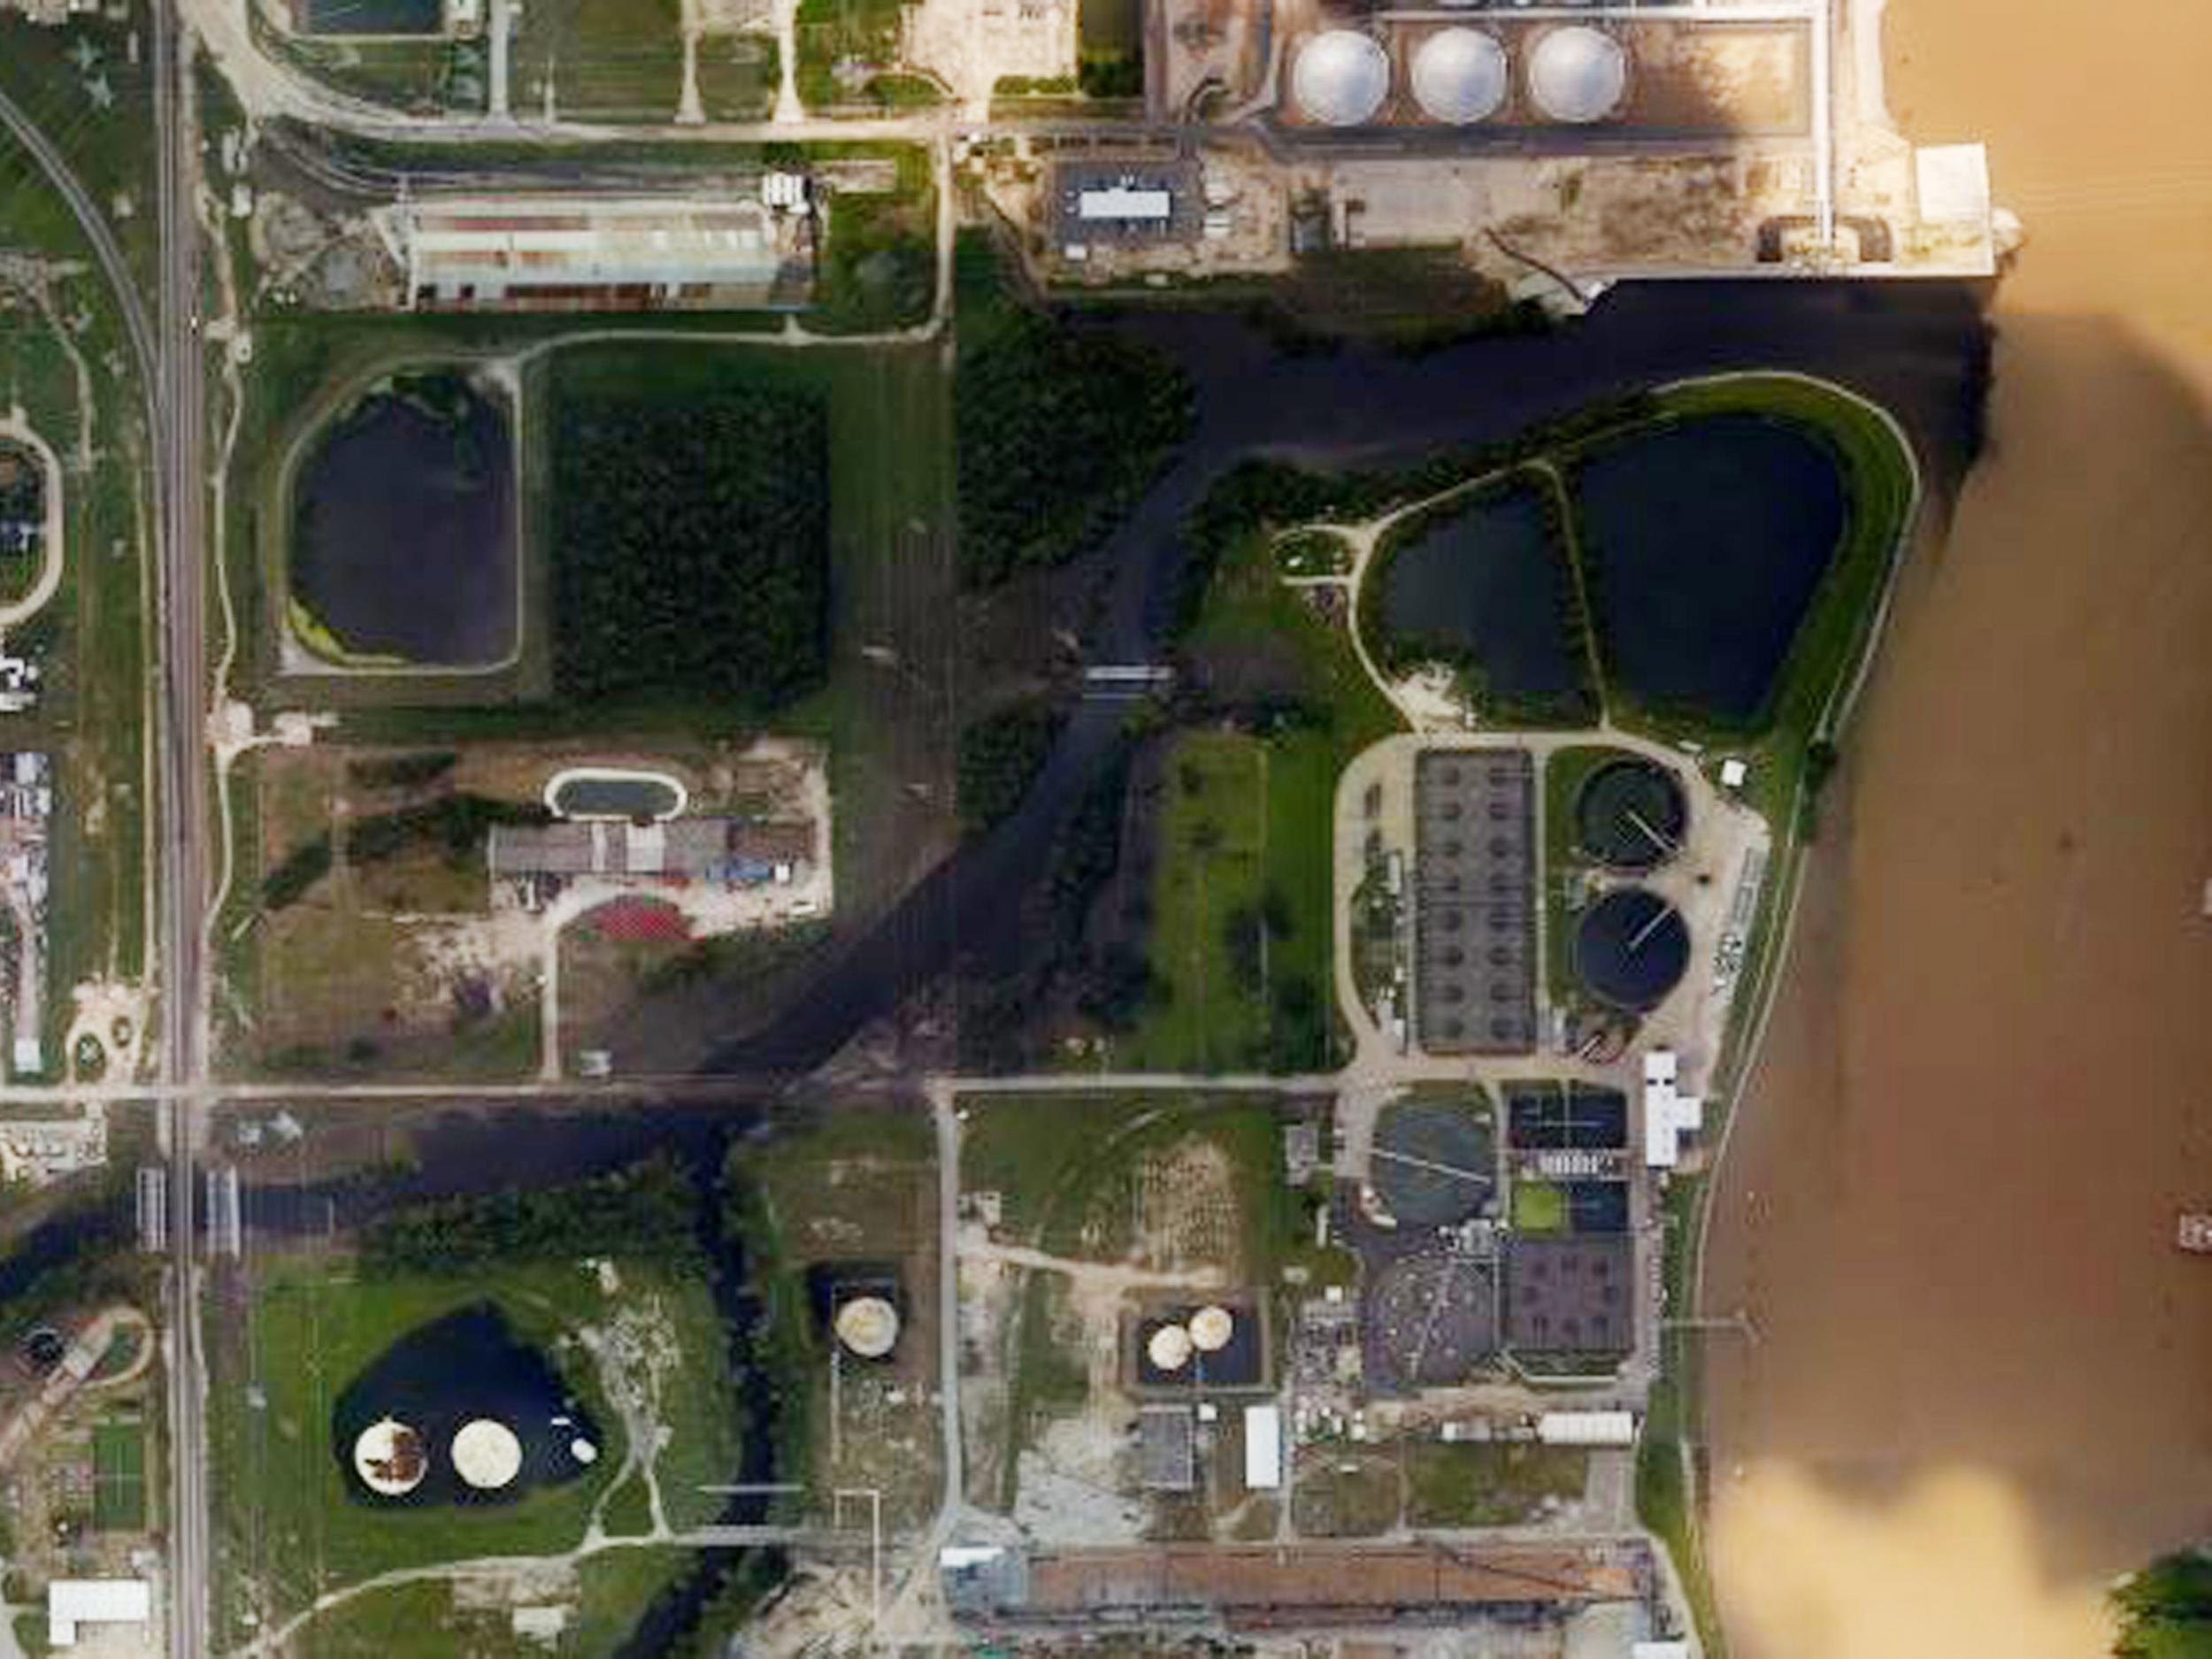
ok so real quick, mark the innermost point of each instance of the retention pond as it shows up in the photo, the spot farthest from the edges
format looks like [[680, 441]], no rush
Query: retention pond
[[404, 530]]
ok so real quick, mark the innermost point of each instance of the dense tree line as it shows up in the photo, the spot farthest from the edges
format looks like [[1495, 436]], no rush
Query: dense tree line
[[1257, 493], [691, 546], [456, 823], [2165, 1611], [1058, 431], [300, 869], [1000, 756], [649, 1210], [402, 772]]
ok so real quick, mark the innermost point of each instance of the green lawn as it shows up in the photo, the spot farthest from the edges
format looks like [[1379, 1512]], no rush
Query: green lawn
[[119, 1476], [1539, 1207], [1344, 1493]]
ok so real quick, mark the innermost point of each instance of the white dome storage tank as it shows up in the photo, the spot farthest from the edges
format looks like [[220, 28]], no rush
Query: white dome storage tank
[[1340, 78], [1459, 76], [1577, 74], [486, 1453]]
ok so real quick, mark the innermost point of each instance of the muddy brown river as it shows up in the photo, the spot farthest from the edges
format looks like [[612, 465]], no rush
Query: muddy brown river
[[1982, 1386]]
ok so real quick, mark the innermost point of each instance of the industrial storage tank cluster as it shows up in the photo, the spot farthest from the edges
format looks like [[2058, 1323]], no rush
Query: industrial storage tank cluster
[[1575, 74]]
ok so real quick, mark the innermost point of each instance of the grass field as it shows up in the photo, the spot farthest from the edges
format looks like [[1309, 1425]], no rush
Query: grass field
[[72, 382], [833, 32], [611, 60], [1245, 826], [119, 1476], [1494, 1484], [1539, 1207], [856, 1187]]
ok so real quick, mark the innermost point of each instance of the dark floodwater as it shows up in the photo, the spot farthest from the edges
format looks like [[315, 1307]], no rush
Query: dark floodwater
[[1631, 948], [403, 533], [439, 1376], [1705, 541], [1921, 350], [614, 797], [1489, 584], [372, 17]]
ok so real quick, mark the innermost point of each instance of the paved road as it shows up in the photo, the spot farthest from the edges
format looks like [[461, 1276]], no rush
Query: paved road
[[181, 705], [167, 366]]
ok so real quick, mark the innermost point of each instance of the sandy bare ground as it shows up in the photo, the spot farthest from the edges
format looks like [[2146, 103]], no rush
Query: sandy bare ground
[[1951, 1205]]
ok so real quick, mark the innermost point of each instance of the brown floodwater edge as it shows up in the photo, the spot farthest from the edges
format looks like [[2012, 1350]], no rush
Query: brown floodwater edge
[[1949, 1200]]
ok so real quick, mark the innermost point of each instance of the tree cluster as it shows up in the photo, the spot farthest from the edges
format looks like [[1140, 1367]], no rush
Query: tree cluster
[[1058, 432], [649, 1210], [691, 546], [301, 868], [456, 823], [402, 772], [2166, 1610], [1000, 756]]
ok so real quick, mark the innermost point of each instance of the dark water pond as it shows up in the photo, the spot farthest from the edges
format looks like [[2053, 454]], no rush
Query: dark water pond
[[1705, 541], [372, 17], [466, 1366], [1631, 948], [1488, 586], [614, 797], [403, 526]]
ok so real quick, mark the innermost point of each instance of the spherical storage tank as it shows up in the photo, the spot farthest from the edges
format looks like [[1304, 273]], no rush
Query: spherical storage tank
[[1340, 78], [1577, 74], [1459, 76]]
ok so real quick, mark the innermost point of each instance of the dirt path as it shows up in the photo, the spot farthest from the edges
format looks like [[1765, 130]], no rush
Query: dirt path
[[1951, 1204]]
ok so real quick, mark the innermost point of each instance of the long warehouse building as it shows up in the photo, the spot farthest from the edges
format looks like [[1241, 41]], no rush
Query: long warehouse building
[[465, 251]]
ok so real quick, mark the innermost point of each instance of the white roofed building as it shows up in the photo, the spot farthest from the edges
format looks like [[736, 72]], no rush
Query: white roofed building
[[72, 1602], [461, 251]]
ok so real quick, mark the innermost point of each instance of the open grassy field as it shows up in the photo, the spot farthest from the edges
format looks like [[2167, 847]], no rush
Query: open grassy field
[[63, 364], [862, 33], [611, 60], [851, 1196], [118, 1475], [1499, 1483], [1243, 885]]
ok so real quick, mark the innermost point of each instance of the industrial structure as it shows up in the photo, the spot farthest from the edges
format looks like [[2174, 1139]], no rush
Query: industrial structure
[[587, 251], [733, 850], [1474, 972]]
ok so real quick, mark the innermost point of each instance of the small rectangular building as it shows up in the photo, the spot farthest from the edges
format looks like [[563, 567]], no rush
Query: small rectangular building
[[1107, 201], [743, 851], [1587, 1428], [1167, 1453], [1262, 1448], [72, 1602]]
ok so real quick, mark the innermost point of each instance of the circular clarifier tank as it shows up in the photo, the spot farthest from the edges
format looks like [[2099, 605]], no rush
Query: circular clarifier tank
[[1169, 1347], [1340, 78], [1631, 948], [1631, 814], [486, 1454], [1210, 1329], [1459, 76], [1577, 74]]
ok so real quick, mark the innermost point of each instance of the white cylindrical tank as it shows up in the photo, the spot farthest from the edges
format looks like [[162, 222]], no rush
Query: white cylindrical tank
[[390, 1458], [1459, 76], [1577, 74], [486, 1454], [1169, 1348], [1340, 78], [1210, 1329], [868, 1327]]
